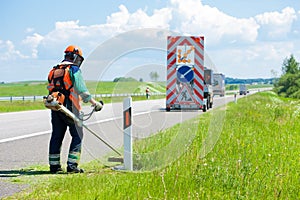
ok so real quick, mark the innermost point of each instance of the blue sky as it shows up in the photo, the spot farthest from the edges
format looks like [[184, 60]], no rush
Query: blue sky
[[243, 39]]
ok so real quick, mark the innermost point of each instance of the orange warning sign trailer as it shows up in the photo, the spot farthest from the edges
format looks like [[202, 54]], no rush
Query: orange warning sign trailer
[[185, 73]]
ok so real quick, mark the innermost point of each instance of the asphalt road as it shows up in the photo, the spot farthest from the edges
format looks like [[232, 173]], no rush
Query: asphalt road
[[25, 136]]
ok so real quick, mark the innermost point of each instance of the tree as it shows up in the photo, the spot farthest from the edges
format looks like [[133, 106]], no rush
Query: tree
[[154, 76], [274, 73], [288, 85], [290, 66]]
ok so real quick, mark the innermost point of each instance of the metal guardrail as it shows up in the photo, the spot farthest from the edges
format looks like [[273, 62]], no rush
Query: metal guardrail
[[21, 98], [35, 98]]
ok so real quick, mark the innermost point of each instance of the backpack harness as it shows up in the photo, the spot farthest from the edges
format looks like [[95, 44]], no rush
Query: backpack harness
[[60, 85]]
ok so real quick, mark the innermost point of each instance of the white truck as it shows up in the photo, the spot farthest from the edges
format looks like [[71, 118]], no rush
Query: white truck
[[219, 84], [242, 89]]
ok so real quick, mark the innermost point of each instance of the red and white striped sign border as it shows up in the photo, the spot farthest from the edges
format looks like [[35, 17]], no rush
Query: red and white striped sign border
[[198, 43]]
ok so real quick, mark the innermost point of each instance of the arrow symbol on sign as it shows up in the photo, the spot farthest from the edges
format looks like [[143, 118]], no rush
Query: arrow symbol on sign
[[183, 75]]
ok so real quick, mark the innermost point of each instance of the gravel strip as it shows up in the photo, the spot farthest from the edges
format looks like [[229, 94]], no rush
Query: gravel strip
[[8, 189]]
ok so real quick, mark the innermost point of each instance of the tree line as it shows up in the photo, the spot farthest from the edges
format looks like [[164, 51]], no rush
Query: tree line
[[153, 76], [229, 80]]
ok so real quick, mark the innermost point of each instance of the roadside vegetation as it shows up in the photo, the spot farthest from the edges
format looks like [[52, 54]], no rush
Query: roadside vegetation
[[288, 84], [256, 156]]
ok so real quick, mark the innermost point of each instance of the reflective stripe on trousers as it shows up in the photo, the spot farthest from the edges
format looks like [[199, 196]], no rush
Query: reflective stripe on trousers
[[73, 158], [54, 159]]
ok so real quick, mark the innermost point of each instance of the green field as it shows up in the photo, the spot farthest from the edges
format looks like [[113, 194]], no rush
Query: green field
[[23, 89], [39, 89], [256, 156]]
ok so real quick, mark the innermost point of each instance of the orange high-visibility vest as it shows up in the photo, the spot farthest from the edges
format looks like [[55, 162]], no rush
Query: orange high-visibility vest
[[59, 80]]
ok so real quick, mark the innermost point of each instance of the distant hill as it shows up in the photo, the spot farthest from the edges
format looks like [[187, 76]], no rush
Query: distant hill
[[229, 80]]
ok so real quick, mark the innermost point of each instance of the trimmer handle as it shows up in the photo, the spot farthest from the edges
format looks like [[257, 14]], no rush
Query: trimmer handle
[[98, 106]]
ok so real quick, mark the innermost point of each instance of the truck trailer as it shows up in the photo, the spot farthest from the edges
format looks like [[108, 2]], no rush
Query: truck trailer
[[219, 84], [242, 89], [185, 73]]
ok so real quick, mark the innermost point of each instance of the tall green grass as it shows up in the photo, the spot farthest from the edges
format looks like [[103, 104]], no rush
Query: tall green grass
[[256, 156]]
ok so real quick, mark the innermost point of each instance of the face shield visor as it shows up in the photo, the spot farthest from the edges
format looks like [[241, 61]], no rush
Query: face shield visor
[[74, 58], [78, 60]]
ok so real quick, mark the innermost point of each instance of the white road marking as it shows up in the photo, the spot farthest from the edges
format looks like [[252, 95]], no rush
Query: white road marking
[[49, 131], [24, 136]]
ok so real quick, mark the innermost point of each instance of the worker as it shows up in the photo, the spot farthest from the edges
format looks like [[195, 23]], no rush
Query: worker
[[66, 78], [147, 93], [235, 98]]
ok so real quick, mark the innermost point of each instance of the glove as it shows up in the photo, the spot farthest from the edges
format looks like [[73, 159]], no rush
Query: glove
[[98, 106]]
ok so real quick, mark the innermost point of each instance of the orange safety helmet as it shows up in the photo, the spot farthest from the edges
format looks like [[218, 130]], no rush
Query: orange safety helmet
[[75, 54], [73, 49]]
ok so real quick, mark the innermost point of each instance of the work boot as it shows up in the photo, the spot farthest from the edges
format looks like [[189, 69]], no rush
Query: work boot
[[54, 169], [74, 169]]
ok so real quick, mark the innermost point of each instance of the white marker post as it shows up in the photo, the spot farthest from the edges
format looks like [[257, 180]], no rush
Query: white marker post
[[127, 118], [235, 98]]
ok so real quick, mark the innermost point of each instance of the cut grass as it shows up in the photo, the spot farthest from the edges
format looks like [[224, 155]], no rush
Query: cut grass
[[256, 156]]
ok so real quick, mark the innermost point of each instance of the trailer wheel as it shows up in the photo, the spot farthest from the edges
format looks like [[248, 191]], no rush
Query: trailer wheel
[[168, 109]]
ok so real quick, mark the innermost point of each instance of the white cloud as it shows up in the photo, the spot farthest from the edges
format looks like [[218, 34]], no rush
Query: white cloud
[[211, 22], [32, 42], [159, 19], [274, 51], [255, 60], [64, 31], [66, 25], [285, 17], [124, 21], [8, 51], [119, 18], [29, 30], [116, 23], [91, 36], [277, 24]]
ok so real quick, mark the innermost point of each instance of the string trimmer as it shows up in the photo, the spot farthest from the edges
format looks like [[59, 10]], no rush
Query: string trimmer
[[54, 102]]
